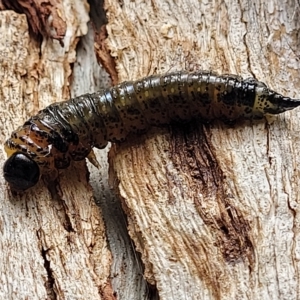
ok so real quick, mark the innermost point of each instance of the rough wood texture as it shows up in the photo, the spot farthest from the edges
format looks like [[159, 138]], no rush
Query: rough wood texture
[[61, 246], [49, 249], [47, 18], [126, 267], [213, 210]]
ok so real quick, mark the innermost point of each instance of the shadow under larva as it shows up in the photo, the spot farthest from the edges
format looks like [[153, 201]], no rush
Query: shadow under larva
[[69, 130]]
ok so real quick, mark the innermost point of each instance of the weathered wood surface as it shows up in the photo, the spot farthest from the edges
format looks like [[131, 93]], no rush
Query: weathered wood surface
[[59, 249], [212, 209]]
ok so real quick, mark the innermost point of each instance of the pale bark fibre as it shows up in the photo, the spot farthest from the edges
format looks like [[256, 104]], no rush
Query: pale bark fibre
[[213, 209], [50, 249]]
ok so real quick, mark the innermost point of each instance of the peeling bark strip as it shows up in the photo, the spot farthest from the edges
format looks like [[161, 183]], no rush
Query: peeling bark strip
[[68, 130], [45, 17]]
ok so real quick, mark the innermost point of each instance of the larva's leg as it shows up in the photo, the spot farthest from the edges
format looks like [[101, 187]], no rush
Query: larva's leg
[[54, 190], [228, 122], [93, 159], [51, 181]]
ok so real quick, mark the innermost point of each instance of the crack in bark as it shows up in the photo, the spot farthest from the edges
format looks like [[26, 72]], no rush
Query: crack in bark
[[192, 154], [50, 282], [67, 224]]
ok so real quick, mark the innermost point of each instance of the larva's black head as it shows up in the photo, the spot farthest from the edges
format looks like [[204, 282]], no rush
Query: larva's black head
[[21, 172]]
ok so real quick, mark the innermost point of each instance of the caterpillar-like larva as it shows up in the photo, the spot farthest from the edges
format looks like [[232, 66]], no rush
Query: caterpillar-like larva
[[69, 130]]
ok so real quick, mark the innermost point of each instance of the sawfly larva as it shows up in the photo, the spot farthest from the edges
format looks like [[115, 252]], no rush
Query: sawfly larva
[[69, 130]]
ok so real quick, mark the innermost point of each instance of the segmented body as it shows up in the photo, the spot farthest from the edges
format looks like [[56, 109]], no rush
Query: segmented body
[[68, 130]]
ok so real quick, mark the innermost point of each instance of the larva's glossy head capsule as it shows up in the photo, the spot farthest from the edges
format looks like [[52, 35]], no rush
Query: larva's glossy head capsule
[[21, 172]]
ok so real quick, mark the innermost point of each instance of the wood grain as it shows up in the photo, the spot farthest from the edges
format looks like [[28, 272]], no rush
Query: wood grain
[[50, 249], [213, 209]]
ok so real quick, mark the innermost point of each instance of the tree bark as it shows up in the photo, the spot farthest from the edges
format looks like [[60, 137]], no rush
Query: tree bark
[[50, 249], [58, 249], [212, 209]]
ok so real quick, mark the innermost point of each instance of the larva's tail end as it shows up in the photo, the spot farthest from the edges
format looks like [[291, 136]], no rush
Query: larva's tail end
[[278, 104], [287, 103]]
